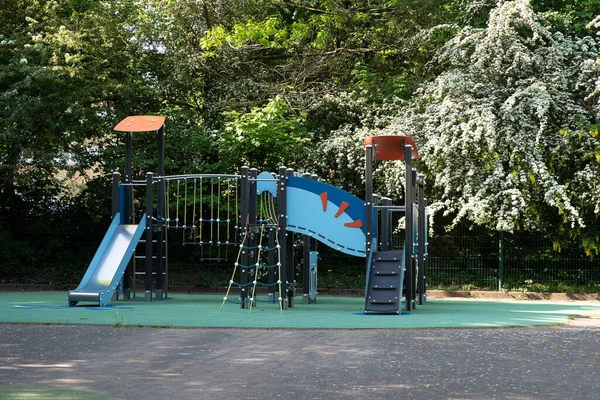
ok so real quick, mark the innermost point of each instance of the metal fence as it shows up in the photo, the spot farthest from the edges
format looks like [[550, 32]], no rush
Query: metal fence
[[461, 259], [478, 258]]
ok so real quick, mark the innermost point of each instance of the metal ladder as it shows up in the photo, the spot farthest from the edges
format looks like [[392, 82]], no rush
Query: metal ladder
[[386, 276]]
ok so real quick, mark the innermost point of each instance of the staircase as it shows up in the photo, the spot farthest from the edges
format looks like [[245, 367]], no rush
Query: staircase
[[384, 288]]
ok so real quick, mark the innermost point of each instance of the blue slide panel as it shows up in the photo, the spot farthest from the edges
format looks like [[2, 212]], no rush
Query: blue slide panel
[[108, 265], [327, 213], [101, 250]]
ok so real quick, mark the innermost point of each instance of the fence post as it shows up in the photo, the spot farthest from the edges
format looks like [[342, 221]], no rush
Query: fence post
[[500, 260]]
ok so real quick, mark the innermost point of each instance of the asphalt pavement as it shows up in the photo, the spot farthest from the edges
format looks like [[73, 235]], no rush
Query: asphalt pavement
[[556, 362]]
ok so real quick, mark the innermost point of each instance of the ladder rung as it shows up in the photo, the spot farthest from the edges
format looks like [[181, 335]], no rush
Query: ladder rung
[[383, 301], [144, 273], [153, 257]]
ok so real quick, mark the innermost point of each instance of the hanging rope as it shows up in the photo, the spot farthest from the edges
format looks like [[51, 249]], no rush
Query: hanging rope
[[177, 206], [201, 205], [185, 203], [212, 210], [231, 281], [218, 217], [257, 265], [167, 203], [194, 207], [256, 269]]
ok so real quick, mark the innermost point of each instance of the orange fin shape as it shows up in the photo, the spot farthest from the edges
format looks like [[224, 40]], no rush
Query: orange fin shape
[[343, 207], [354, 224], [324, 200]]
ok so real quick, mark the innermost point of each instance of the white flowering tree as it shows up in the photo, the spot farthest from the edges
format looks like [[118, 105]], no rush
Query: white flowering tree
[[508, 133]]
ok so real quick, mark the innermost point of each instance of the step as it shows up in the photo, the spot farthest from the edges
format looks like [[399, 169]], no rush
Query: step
[[384, 293], [153, 257]]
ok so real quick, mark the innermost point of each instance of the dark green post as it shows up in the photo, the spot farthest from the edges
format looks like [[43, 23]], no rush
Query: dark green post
[[500, 260], [149, 235]]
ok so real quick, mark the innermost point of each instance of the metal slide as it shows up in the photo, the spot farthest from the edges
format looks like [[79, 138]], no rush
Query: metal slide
[[108, 265]]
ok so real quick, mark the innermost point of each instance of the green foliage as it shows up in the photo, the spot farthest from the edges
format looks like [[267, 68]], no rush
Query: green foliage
[[265, 137], [300, 83], [571, 16]]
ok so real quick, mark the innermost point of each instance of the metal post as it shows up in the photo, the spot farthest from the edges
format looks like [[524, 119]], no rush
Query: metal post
[[421, 237], [305, 269], [272, 260], [149, 214], [500, 260], [126, 211], [252, 241], [115, 193], [129, 189], [244, 219], [314, 242], [160, 213], [289, 260], [283, 243], [306, 262], [309, 287], [369, 153], [116, 200], [386, 225], [408, 240]]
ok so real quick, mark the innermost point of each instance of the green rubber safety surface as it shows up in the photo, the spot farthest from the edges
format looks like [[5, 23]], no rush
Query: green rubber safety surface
[[190, 310], [31, 393]]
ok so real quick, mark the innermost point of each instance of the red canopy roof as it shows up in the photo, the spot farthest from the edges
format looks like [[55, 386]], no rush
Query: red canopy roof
[[391, 147], [140, 123]]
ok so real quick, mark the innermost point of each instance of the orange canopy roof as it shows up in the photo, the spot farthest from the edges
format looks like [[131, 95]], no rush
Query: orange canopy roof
[[391, 147], [140, 123]]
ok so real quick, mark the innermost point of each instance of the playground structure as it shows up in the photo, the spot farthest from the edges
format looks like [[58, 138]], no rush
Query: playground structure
[[253, 217]]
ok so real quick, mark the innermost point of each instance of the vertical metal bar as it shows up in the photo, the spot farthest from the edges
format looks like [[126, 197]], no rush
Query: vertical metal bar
[[126, 210], [313, 241], [408, 240], [369, 215], [500, 260], [272, 260], [116, 203], [149, 214], [282, 212], [252, 241], [306, 262], [306, 269], [244, 218], [128, 189], [115, 193], [386, 225], [289, 261], [311, 270], [421, 237], [160, 213]]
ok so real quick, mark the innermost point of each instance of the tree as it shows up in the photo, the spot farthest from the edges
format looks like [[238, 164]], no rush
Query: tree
[[509, 132], [68, 69]]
